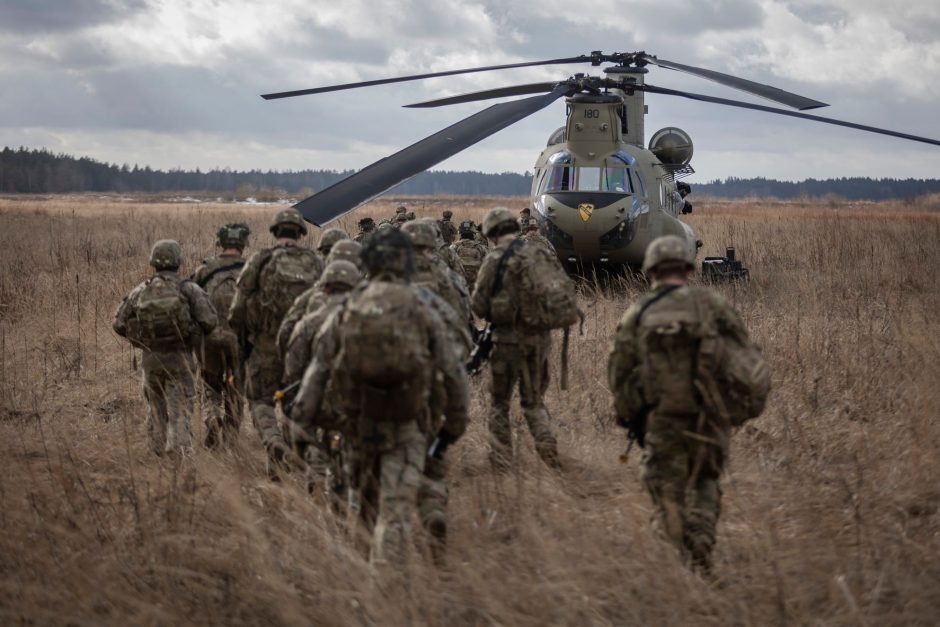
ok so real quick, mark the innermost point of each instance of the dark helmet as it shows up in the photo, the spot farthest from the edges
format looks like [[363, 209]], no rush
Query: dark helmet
[[166, 254], [366, 222], [448, 214], [467, 229], [389, 251], [401, 209], [291, 217], [234, 235], [528, 224], [329, 238]]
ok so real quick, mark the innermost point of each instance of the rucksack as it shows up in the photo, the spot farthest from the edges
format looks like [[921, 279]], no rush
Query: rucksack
[[162, 315], [540, 295], [689, 361], [285, 274], [219, 284], [384, 351], [471, 255]]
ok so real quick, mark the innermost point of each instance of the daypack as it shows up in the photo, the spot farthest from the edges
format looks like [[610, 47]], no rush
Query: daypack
[[689, 361], [288, 272], [471, 255], [539, 294], [384, 350], [162, 315], [219, 284]]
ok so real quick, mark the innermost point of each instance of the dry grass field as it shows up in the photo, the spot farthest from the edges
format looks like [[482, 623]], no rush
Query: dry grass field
[[831, 502]]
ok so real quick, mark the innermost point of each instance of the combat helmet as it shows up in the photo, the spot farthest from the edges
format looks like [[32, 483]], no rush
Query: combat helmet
[[421, 233], [467, 229], [289, 216], [448, 214], [497, 217], [389, 252], [346, 250], [329, 238], [233, 235], [166, 254], [667, 251], [366, 224], [401, 209], [340, 273], [528, 224]]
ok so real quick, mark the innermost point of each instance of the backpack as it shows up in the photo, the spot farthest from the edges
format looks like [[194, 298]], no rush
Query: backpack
[[219, 284], [162, 315], [542, 297], [384, 350], [690, 362], [471, 255], [284, 275]]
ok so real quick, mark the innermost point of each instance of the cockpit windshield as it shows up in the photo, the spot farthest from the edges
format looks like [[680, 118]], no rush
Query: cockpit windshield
[[614, 176]]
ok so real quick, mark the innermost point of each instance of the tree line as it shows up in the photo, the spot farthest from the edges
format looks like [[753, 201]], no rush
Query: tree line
[[42, 172]]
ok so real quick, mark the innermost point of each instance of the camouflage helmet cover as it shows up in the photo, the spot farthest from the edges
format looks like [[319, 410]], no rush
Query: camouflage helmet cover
[[389, 251], [233, 235], [346, 250], [329, 238], [668, 249], [340, 272], [421, 233], [289, 216], [401, 209], [496, 217], [166, 254]]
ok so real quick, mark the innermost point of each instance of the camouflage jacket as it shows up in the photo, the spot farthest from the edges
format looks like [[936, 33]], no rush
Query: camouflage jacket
[[471, 252], [252, 319], [448, 231], [213, 272], [623, 364], [539, 239], [308, 302], [452, 260], [484, 293], [449, 380], [300, 347], [200, 309], [433, 274], [363, 237]]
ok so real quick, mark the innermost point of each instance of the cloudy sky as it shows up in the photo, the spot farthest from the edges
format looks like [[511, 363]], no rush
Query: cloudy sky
[[172, 83]]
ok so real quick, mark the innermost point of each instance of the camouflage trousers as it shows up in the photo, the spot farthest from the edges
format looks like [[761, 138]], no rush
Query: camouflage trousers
[[432, 503], [224, 403], [683, 459], [263, 370], [170, 392], [525, 365], [389, 465]]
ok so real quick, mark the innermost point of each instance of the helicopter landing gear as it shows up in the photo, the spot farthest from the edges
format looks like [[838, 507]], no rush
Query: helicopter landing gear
[[727, 268]]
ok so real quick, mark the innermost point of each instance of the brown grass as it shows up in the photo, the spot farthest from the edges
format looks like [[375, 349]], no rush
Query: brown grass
[[831, 503]]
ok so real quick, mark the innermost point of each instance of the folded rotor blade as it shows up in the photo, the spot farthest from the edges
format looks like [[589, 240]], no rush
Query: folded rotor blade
[[373, 180], [416, 77], [793, 114], [758, 89], [500, 92]]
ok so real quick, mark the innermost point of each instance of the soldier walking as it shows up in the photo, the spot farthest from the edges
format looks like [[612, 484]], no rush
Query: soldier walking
[[677, 351], [166, 316], [265, 290], [448, 230], [219, 359], [470, 250]]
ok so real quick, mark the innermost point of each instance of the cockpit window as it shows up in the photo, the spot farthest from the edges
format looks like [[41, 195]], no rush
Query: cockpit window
[[588, 179]]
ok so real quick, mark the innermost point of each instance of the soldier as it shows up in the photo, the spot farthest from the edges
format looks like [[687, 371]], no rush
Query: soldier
[[166, 316], [448, 230], [657, 375], [328, 239], [266, 288], [530, 233], [520, 354], [221, 365], [366, 229], [525, 213], [385, 387], [347, 250], [470, 251]]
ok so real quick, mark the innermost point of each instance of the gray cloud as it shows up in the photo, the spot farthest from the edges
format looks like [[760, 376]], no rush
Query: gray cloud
[[29, 16]]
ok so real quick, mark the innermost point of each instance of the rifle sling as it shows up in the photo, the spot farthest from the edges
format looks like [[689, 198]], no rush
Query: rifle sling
[[650, 302], [232, 266]]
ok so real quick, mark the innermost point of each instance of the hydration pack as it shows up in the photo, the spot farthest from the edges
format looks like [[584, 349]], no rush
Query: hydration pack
[[162, 316], [538, 293], [287, 272]]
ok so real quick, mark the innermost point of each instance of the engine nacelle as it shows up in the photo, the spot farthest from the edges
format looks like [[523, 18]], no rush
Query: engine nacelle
[[672, 146]]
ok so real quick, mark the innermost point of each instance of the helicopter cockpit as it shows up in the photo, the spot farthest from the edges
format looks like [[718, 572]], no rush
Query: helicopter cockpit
[[616, 175]]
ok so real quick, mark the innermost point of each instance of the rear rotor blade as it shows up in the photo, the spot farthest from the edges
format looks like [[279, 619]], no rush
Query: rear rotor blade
[[758, 89], [375, 179], [416, 77], [500, 92], [793, 114]]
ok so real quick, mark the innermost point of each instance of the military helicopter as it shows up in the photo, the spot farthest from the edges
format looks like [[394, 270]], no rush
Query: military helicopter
[[599, 195]]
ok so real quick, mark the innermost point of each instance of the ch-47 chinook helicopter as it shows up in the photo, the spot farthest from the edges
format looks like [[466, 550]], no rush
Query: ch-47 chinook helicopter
[[599, 194]]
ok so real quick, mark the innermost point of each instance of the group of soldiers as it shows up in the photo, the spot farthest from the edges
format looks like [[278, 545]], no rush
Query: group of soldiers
[[352, 361]]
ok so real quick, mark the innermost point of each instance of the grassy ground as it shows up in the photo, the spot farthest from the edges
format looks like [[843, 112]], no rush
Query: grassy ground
[[831, 502]]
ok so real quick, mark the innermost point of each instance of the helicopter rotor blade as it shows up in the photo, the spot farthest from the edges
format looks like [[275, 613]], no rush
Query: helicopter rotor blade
[[416, 77], [758, 89], [500, 92], [794, 114], [375, 179]]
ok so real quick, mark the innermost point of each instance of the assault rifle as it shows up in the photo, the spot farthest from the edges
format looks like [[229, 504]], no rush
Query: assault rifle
[[636, 432], [481, 351]]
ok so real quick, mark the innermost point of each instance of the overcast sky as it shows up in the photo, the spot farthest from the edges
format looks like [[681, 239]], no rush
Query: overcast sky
[[170, 83]]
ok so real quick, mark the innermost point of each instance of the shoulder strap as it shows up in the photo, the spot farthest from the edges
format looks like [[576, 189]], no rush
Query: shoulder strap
[[649, 303], [501, 266], [232, 266]]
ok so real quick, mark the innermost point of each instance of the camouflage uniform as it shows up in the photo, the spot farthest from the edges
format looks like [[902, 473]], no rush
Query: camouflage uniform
[[168, 368], [389, 450], [447, 228], [366, 230], [684, 453], [530, 233], [470, 251], [520, 356], [257, 322]]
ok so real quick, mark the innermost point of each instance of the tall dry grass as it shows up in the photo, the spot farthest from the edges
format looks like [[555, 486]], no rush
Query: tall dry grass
[[831, 504]]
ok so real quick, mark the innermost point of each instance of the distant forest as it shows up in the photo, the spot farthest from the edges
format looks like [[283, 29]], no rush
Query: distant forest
[[43, 172]]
